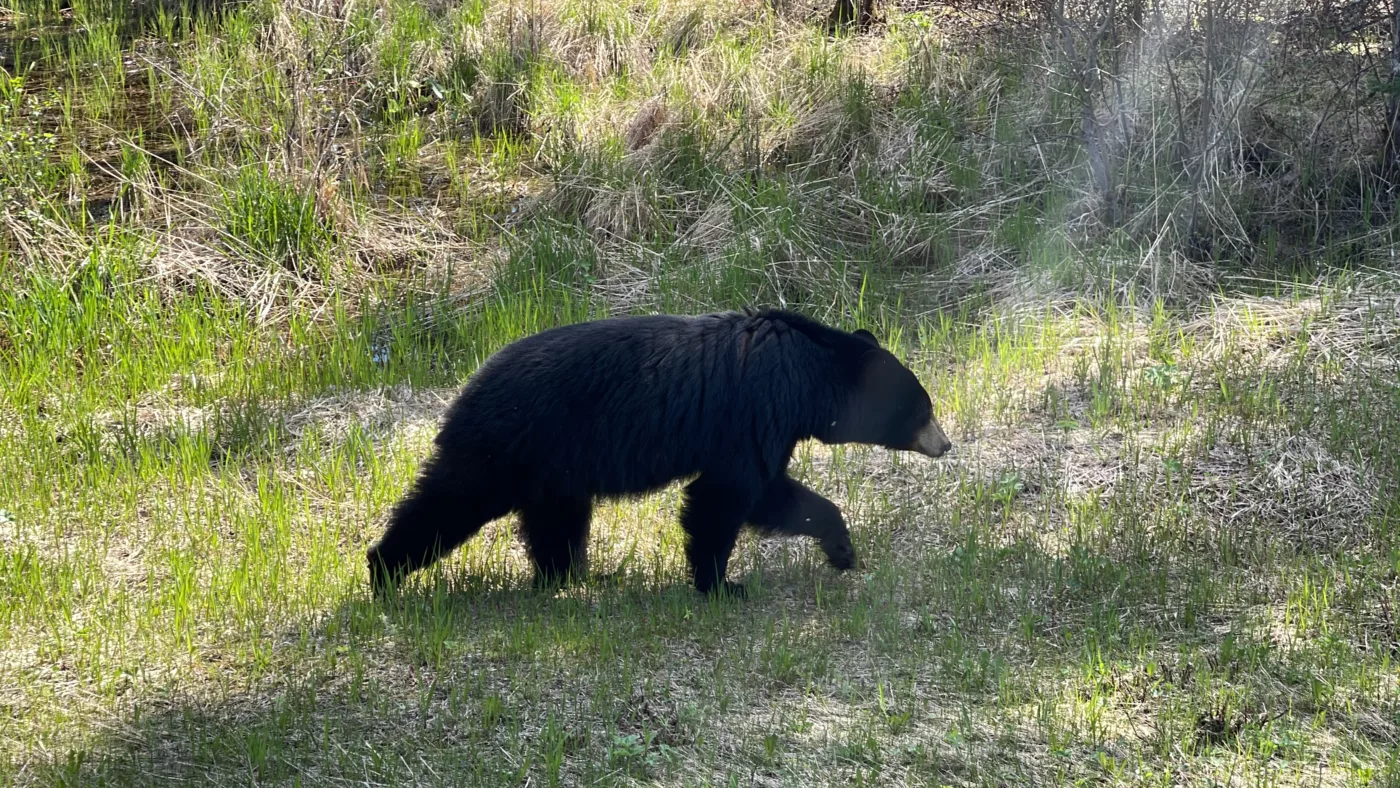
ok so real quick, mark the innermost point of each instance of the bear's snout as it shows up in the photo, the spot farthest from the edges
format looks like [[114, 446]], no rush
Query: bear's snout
[[931, 441]]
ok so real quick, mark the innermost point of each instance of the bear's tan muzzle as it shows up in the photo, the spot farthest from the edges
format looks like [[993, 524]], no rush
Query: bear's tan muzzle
[[931, 441]]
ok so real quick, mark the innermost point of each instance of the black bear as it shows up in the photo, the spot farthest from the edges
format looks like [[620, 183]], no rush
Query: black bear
[[624, 406]]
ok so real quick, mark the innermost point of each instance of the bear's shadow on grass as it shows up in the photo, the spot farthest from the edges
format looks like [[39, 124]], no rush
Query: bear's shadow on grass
[[319, 711], [496, 609]]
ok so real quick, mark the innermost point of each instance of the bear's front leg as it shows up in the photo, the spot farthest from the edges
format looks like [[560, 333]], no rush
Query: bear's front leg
[[714, 512], [790, 509]]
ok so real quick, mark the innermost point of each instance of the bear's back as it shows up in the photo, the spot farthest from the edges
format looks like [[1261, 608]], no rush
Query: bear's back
[[624, 405]]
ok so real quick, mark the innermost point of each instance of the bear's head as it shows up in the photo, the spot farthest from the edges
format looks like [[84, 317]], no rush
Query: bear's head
[[884, 403]]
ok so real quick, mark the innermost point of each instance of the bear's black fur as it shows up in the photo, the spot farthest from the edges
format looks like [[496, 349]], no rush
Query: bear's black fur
[[624, 406]]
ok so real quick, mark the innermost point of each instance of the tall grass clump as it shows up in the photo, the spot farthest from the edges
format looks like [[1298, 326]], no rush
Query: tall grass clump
[[268, 217]]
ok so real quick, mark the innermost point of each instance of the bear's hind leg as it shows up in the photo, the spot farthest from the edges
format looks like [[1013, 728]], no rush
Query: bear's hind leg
[[712, 516], [556, 533], [443, 510], [791, 509]]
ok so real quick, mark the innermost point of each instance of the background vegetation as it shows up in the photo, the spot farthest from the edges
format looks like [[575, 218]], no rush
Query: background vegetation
[[1142, 254]]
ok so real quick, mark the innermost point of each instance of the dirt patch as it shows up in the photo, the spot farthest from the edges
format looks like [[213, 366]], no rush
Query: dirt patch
[[381, 412]]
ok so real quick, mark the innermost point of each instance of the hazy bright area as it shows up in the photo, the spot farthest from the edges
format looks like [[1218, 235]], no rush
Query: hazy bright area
[[1141, 254]]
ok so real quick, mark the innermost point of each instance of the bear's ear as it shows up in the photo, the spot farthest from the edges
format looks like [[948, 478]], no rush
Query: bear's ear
[[867, 336]]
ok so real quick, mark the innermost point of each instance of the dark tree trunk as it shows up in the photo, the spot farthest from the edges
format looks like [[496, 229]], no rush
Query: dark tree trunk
[[1390, 161], [861, 13]]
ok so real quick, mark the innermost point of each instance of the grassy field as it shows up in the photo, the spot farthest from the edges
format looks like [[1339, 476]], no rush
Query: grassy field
[[249, 250]]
